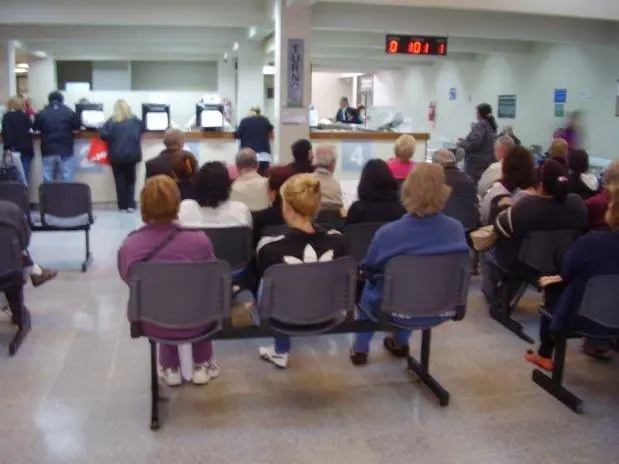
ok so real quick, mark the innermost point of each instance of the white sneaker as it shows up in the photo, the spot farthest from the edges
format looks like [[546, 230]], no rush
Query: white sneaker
[[279, 359], [213, 369], [172, 377], [201, 374]]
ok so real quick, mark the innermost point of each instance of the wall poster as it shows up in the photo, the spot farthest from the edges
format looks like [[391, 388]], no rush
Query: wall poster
[[295, 76], [507, 107]]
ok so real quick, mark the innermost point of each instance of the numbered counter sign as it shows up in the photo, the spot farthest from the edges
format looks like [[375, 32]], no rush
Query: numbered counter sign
[[355, 154]]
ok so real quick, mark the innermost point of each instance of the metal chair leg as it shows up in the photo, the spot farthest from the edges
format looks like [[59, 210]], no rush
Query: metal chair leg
[[88, 256], [503, 316], [154, 387], [554, 384], [422, 369]]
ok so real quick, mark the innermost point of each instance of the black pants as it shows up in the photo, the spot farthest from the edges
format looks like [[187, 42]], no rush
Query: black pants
[[124, 178], [12, 287], [552, 293]]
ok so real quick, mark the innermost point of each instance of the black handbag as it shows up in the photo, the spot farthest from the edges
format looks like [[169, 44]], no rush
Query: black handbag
[[8, 170]]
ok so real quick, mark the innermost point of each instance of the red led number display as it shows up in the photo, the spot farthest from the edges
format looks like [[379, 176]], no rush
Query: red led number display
[[416, 45]]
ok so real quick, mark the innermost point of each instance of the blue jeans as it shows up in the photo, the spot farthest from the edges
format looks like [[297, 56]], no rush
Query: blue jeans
[[26, 163], [65, 165], [281, 343], [401, 336]]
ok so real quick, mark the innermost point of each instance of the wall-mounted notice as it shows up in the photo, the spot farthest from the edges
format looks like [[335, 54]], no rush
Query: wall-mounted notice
[[560, 96], [296, 55], [453, 94], [507, 107], [559, 110]]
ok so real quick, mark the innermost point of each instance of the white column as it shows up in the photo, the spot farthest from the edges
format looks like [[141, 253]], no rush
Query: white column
[[250, 80], [226, 84], [41, 81], [293, 34], [8, 79]]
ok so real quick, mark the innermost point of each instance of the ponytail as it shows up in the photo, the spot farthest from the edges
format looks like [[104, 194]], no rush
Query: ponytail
[[492, 122], [554, 178]]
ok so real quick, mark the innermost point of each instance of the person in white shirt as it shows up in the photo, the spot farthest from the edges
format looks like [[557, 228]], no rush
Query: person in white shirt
[[213, 207], [491, 175], [250, 187]]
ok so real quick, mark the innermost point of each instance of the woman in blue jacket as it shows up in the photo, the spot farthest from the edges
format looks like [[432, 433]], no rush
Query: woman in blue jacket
[[424, 231], [123, 132], [594, 254]]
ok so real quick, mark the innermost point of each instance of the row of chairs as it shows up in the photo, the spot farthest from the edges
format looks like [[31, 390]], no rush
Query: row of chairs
[[63, 207], [306, 299]]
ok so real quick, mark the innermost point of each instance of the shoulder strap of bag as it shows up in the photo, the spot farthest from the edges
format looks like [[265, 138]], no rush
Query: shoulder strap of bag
[[161, 245]]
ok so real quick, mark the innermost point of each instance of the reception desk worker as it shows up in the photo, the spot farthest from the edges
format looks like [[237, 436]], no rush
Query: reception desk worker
[[346, 114], [123, 132], [56, 122], [254, 132]]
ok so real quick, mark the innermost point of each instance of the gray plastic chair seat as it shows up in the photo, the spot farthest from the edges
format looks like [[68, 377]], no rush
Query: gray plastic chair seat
[[181, 296], [426, 286], [540, 249], [232, 244], [359, 237], [600, 302], [308, 298]]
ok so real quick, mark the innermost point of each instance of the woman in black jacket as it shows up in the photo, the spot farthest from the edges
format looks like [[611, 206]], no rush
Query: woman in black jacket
[[379, 197], [582, 182], [123, 132], [17, 133]]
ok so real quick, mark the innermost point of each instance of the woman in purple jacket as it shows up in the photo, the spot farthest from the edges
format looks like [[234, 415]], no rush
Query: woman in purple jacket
[[159, 204]]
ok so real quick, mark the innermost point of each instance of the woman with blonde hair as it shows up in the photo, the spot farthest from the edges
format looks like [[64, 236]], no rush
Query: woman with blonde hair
[[123, 133], [404, 150], [303, 243], [161, 239], [17, 135], [425, 230]]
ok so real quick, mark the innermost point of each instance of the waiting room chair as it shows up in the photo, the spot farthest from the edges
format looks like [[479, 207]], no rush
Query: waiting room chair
[[11, 280], [233, 245], [275, 231], [541, 252], [17, 193], [177, 296], [307, 299], [359, 236], [425, 286], [66, 206], [599, 306], [330, 219]]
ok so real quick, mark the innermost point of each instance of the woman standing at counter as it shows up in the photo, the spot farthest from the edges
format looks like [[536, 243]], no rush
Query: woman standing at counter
[[122, 132], [17, 134], [254, 132]]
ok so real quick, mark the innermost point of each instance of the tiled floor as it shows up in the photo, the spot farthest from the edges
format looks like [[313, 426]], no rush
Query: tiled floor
[[78, 391]]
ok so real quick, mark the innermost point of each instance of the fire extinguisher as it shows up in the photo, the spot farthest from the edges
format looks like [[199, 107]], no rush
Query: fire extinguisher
[[432, 113]]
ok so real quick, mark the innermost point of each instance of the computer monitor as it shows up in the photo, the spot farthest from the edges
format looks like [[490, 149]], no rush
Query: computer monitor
[[156, 116], [210, 116], [91, 115]]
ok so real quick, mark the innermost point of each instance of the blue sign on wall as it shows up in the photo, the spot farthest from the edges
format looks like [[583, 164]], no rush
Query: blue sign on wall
[[80, 155], [355, 155], [453, 94], [560, 96]]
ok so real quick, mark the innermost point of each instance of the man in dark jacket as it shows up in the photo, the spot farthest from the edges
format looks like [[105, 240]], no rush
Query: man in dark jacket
[[463, 202], [255, 132], [56, 122]]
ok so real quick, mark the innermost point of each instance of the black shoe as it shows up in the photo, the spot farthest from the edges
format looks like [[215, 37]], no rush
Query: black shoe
[[358, 359], [399, 351]]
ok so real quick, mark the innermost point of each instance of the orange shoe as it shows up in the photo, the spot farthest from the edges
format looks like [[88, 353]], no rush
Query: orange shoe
[[534, 358]]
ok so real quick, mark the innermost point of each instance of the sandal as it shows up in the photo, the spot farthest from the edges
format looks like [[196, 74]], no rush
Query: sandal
[[398, 351], [534, 358]]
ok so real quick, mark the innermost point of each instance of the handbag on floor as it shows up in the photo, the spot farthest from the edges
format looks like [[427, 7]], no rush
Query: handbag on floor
[[8, 170]]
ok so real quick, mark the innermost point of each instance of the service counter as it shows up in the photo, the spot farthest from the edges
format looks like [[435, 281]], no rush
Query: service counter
[[354, 149]]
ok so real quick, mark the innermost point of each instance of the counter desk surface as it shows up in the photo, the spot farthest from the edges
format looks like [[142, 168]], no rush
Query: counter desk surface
[[354, 150]]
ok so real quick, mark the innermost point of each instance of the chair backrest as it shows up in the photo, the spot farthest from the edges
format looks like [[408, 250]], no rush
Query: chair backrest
[[359, 236], [541, 250], [463, 208], [330, 217], [232, 244], [427, 285], [10, 252], [65, 200], [600, 300], [180, 295], [17, 193], [312, 293]]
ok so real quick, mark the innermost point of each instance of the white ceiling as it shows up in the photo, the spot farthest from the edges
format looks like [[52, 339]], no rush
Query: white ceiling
[[350, 36]]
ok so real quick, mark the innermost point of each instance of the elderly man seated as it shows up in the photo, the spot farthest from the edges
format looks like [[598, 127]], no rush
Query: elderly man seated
[[493, 174], [325, 158], [250, 187]]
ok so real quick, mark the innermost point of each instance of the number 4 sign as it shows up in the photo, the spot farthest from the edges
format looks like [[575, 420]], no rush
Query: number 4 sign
[[355, 155]]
